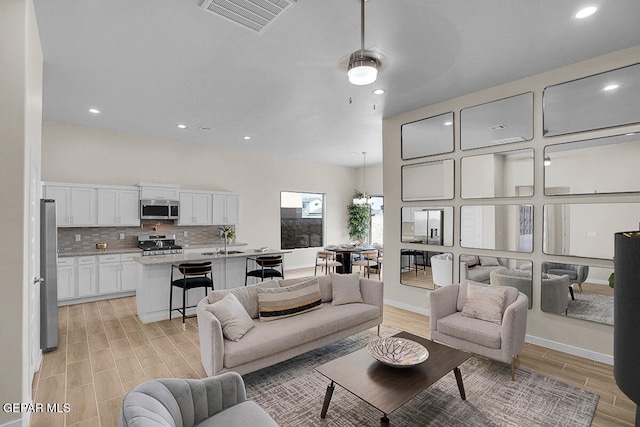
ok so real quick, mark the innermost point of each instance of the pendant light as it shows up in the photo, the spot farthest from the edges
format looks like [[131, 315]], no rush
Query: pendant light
[[363, 67], [365, 200]]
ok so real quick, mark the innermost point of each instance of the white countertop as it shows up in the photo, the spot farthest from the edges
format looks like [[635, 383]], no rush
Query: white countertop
[[193, 257]]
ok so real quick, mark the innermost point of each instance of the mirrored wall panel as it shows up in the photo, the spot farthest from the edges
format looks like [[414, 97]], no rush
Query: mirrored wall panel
[[427, 137], [428, 225], [586, 230], [498, 271], [577, 290], [499, 122], [595, 102], [425, 269], [428, 181], [504, 174], [602, 165], [501, 227]]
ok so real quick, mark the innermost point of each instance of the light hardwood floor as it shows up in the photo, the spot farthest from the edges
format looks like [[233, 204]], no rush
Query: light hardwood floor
[[104, 351]]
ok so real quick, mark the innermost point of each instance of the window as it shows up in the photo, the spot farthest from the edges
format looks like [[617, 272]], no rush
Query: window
[[301, 220], [377, 220]]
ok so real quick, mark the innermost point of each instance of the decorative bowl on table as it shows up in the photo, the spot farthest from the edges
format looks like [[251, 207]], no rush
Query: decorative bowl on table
[[398, 352]]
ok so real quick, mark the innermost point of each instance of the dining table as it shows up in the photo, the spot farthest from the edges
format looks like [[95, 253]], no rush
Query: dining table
[[344, 255]]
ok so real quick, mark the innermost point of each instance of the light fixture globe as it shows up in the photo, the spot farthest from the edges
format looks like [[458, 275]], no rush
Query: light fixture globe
[[362, 69]]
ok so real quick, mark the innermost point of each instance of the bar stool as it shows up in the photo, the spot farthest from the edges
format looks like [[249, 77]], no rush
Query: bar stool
[[268, 265], [194, 275], [369, 260], [325, 259]]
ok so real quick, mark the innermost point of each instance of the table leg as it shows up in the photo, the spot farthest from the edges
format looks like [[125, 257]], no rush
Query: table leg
[[384, 421], [327, 399], [458, 375]]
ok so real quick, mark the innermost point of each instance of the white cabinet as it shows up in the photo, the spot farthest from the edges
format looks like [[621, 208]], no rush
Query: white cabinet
[[66, 278], [75, 206], [195, 208], [117, 273], [164, 193], [87, 276], [226, 209], [118, 207]]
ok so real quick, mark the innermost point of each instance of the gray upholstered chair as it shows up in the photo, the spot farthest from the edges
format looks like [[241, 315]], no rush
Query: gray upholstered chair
[[554, 293], [519, 279], [174, 402], [577, 273], [501, 342]]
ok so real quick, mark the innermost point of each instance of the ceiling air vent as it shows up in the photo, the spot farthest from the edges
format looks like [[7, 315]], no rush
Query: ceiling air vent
[[257, 15]]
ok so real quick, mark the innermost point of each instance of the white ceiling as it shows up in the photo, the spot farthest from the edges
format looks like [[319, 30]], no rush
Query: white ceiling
[[151, 64]]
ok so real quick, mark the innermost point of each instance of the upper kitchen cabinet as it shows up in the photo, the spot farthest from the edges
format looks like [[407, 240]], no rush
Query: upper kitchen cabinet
[[155, 191], [226, 207], [118, 206], [195, 208], [75, 205]]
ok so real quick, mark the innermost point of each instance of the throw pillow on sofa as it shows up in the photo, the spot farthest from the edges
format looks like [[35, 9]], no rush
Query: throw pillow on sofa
[[489, 261], [485, 303], [289, 301], [346, 288], [233, 317], [470, 260]]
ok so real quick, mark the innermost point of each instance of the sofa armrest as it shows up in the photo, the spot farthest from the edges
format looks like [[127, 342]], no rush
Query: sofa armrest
[[372, 292], [464, 271], [211, 339], [443, 302], [514, 326]]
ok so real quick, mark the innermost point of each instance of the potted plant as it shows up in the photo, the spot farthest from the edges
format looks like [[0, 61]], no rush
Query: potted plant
[[358, 224], [228, 232]]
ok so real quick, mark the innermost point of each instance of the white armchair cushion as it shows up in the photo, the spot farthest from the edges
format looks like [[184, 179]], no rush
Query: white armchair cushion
[[485, 303], [233, 317]]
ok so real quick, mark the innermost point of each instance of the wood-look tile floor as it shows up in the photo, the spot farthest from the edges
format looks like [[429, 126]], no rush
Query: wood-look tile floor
[[104, 351]]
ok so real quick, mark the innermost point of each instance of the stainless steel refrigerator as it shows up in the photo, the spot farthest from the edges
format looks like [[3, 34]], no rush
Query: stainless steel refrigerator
[[49, 275]]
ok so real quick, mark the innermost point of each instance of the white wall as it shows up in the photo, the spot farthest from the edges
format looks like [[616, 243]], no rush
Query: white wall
[[572, 335], [88, 155], [20, 118]]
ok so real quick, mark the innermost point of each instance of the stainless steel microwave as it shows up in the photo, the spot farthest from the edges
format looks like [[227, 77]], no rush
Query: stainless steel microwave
[[159, 209]]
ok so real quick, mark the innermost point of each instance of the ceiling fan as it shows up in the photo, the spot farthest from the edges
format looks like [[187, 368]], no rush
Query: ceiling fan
[[363, 65]]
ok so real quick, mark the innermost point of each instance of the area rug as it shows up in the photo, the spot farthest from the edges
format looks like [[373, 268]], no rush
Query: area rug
[[593, 307], [292, 392]]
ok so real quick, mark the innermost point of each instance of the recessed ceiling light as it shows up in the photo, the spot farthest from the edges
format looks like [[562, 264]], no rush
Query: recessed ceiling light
[[448, 123], [378, 91], [181, 126], [611, 87], [587, 11], [94, 111], [247, 138]]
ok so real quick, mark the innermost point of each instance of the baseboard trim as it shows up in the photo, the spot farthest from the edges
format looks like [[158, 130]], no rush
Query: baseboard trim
[[554, 345], [408, 307], [566, 348]]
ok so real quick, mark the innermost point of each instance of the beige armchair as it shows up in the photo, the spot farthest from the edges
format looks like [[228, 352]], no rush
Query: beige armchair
[[501, 342]]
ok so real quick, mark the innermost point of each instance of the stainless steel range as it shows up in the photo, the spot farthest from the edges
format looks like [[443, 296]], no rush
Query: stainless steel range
[[158, 244]]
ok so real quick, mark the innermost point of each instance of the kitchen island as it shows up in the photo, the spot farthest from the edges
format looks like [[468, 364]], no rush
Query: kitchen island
[[152, 292]]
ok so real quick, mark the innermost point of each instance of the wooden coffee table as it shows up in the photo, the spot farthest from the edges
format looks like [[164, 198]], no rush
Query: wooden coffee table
[[387, 388]]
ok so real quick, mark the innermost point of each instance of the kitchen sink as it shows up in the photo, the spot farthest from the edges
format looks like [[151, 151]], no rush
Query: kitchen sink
[[231, 252]]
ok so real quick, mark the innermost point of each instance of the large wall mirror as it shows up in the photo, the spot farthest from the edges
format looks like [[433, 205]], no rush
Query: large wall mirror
[[427, 137], [498, 271], [428, 181], [425, 269], [499, 122], [500, 227], [577, 290], [600, 165], [586, 230], [601, 101], [503, 174], [427, 225]]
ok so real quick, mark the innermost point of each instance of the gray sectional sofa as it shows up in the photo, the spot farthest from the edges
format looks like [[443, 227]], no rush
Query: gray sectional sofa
[[274, 341]]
